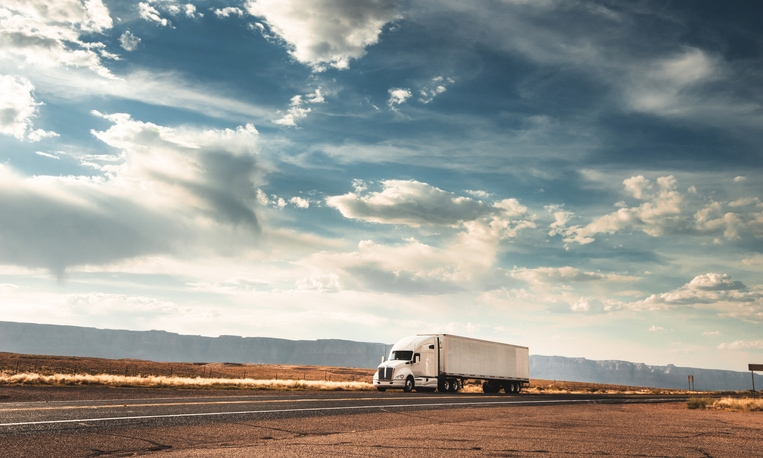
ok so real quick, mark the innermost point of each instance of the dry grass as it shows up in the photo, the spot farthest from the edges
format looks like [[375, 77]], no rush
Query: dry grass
[[153, 381], [727, 403], [19, 369], [740, 404]]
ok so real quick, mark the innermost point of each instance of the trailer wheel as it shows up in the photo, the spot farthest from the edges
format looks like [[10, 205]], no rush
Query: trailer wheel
[[454, 385], [519, 388], [409, 384]]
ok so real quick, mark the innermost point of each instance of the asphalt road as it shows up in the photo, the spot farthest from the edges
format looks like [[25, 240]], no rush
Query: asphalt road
[[365, 424]]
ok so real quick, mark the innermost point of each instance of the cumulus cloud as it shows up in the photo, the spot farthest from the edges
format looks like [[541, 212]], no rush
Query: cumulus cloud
[[128, 41], [148, 12], [412, 203], [18, 109], [34, 34], [229, 11], [465, 259], [298, 109], [711, 291], [325, 33], [666, 211], [398, 96], [167, 189]]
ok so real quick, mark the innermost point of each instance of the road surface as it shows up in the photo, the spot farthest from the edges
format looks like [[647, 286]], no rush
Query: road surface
[[304, 423]]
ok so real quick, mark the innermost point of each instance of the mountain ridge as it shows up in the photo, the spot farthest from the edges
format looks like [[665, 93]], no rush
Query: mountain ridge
[[163, 346]]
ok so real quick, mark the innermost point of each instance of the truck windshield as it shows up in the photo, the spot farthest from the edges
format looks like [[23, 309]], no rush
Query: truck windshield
[[404, 355]]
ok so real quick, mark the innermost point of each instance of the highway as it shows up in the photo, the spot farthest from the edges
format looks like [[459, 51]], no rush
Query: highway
[[18, 417], [299, 423]]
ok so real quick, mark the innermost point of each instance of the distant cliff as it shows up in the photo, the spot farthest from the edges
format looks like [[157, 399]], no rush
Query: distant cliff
[[638, 374], [170, 347]]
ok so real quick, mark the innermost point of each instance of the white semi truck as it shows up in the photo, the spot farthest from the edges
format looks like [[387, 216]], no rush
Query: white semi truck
[[443, 362]]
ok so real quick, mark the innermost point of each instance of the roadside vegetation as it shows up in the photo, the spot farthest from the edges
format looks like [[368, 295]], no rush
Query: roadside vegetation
[[19, 369], [742, 404]]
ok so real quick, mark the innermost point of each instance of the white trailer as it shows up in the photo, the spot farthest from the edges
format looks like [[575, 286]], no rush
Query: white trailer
[[443, 362]]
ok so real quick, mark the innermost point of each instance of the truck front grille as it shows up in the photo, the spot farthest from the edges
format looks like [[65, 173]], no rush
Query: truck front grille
[[385, 373]]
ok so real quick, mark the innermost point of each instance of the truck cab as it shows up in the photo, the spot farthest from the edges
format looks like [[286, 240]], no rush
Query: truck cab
[[412, 364]]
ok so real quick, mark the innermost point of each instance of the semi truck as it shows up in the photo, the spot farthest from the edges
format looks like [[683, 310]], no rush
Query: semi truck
[[443, 362]]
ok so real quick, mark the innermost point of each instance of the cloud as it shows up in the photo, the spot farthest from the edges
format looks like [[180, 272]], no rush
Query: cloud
[[636, 70], [715, 282], [323, 33], [35, 35], [408, 202], [128, 41], [554, 276], [661, 87], [742, 345], [398, 96], [166, 191], [18, 109], [229, 11], [665, 211], [655, 328], [297, 110], [151, 14], [711, 291], [437, 86]]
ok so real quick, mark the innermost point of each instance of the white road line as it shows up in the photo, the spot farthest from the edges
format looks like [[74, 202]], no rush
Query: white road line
[[313, 409]]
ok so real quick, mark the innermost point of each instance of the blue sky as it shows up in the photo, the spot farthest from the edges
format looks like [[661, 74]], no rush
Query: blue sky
[[583, 178]]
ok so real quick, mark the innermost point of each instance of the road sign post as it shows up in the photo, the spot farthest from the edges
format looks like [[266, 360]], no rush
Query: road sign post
[[753, 368]]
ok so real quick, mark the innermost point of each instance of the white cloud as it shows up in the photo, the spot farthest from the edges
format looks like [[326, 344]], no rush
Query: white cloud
[[437, 86], [398, 96], [408, 202], [32, 34], [128, 41], [151, 14], [712, 291], [655, 328], [665, 211], [715, 282], [229, 11], [742, 345], [553, 276], [167, 190], [297, 110], [323, 33], [18, 109]]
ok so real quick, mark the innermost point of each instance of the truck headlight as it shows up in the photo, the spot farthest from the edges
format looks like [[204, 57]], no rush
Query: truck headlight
[[399, 376]]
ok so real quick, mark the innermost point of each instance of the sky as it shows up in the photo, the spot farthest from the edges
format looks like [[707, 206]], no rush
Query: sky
[[579, 177]]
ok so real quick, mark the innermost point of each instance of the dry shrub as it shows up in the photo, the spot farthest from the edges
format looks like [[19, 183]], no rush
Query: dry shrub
[[152, 381], [740, 404]]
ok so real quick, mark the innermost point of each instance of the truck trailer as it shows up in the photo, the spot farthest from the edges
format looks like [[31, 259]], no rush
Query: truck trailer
[[443, 362]]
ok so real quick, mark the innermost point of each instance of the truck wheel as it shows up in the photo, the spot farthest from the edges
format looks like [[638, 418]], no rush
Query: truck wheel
[[408, 385], [454, 385], [445, 386]]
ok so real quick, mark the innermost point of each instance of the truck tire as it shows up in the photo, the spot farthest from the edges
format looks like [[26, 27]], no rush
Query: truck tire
[[381, 388], [409, 384], [454, 385], [445, 386]]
